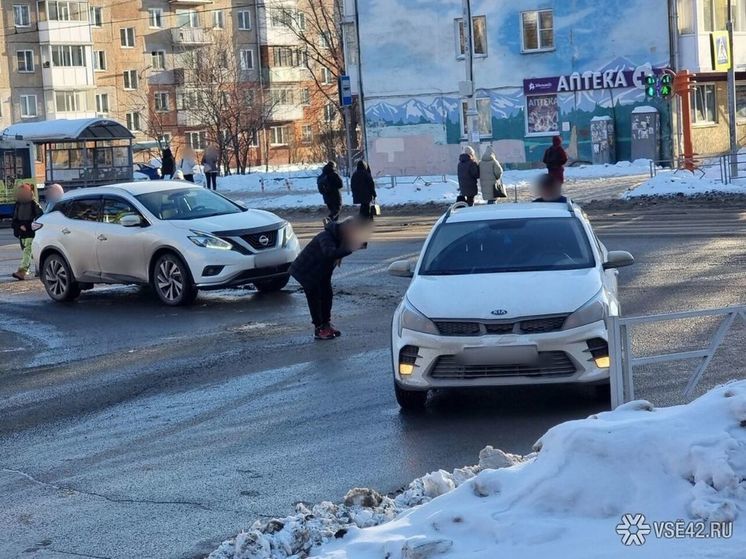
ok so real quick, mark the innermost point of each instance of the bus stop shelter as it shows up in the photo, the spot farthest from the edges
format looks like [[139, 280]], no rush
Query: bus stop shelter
[[81, 152]]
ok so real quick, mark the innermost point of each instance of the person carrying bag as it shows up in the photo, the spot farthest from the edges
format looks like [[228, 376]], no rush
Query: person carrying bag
[[490, 177]]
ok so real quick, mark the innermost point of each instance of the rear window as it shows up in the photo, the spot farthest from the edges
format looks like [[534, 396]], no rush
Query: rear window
[[514, 245], [82, 209]]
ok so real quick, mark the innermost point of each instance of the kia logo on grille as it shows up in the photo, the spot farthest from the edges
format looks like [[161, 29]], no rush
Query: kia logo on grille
[[499, 312], [264, 240]]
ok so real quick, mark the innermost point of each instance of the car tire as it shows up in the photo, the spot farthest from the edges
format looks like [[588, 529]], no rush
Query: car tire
[[410, 400], [172, 281], [602, 392], [58, 279], [271, 285]]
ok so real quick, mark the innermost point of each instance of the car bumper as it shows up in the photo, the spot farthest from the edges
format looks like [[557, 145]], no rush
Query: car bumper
[[213, 269], [441, 361]]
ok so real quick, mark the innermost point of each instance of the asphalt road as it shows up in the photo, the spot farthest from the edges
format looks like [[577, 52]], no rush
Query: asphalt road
[[130, 430]]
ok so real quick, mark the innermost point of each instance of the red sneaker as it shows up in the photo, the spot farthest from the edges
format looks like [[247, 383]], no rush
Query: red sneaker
[[323, 333], [333, 328]]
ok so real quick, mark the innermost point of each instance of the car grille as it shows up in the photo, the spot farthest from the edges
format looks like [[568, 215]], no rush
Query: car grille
[[550, 364], [540, 325], [255, 239]]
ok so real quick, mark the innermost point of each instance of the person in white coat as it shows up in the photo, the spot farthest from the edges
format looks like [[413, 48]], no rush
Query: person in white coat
[[186, 164], [490, 177]]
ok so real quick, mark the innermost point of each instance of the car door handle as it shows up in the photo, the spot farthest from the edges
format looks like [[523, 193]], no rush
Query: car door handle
[[101, 237], [65, 231]]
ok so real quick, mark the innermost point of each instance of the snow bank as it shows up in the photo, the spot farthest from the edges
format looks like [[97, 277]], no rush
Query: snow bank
[[685, 183], [568, 500]]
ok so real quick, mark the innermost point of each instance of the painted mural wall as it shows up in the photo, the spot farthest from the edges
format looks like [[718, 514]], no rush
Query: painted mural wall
[[411, 74]]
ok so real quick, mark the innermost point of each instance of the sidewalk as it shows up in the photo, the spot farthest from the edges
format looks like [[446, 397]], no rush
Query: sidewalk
[[10, 255]]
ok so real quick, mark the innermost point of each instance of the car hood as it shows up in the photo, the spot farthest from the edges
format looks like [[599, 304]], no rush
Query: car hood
[[250, 219], [519, 294]]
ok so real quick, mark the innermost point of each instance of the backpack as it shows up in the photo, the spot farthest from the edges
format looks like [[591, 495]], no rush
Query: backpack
[[322, 185]]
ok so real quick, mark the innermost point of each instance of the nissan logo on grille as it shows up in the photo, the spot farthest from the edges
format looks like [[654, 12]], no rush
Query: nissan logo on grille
[[499, 312], [264, 240]]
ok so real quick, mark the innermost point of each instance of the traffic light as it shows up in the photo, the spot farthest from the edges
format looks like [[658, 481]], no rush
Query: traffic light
[[651, 86], [666, 87]]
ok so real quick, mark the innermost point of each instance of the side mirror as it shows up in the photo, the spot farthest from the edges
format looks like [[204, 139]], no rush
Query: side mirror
[[618, 259], [402, 269], [131, 220]]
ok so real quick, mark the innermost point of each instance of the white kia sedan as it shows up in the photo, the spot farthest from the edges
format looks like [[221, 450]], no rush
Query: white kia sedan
[[505, 294], [175, 236]]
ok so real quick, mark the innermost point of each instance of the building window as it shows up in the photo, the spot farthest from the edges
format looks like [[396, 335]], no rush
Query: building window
[[102, 103], [327, 77], [22, 15], [484, 109], [685, 10], [133, 121], [28, 106], [281, 96], [278, 135], [196, 140], [741, 101], [25, 60], [287, 57], [306, 134], [161, 101], [62, 10], [218, 19], [68, 55], [187, 18], [715, 15], [127, 37], [325, 41], [246, 57], [130, 79], [244, 20], [165, 139], [99, 60], [158, 60], [704, 104], [68, 102], [537, 30], [305, 96], [155, 18], [330, 113], [97, 16], [479, 35], [300, 21]]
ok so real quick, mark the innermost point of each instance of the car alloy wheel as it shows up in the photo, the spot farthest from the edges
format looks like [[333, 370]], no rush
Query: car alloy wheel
[[170, 280], [58, 279]]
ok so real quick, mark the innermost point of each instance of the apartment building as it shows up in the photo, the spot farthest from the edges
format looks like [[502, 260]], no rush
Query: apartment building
[[135, 61]]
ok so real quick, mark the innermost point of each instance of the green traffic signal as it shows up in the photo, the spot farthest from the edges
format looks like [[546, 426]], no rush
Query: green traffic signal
[[651, 88], [666, 85]]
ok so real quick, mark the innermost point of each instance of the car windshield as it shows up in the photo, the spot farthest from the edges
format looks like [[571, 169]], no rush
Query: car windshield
[[512, 245], [187, 203]]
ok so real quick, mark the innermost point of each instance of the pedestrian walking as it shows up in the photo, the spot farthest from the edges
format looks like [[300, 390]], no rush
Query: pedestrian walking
[[52, 194], [168, 164], [330, 186], [363, 189], [187, 164], [315, 265], [211, 165], [490, 177], [550, 190], [555, 158], [468, 175], [26, 211]]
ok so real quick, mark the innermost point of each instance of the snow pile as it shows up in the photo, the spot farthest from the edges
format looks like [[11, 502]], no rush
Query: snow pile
[[295, 536], [684, 183], [567, 500]]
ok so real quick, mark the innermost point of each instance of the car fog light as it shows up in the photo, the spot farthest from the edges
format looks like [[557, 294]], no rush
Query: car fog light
[[406, 369], [603, 362]]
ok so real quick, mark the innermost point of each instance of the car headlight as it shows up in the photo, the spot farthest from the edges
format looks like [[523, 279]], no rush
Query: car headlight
[[206, 240], [287, 235], [414, 320], [594, 310]]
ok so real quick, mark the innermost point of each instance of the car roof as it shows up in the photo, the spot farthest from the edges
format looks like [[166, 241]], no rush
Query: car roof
[[486, 212], [133, 188]]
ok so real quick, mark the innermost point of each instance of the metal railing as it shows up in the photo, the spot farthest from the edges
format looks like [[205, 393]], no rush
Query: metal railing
[[623, 359]]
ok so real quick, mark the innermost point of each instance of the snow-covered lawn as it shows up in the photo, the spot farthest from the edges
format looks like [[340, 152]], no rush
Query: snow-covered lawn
[[296, 188], [668, 183], [569, 500]]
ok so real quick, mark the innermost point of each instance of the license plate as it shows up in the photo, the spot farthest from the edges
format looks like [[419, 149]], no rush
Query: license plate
[[503, 355]]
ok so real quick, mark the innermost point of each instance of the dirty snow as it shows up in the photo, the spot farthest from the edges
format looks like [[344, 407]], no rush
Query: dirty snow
[[565, 501], [685, 183]]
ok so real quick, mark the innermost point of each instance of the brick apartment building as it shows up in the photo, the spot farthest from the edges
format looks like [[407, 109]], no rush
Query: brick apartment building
[[126, 59]]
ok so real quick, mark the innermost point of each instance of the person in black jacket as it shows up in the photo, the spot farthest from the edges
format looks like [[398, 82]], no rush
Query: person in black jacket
[[26, 210], [468, 174], [363, 189], [315, 265], [330, 186], [168, 164]]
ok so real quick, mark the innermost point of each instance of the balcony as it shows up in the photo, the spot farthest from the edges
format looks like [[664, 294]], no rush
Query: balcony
[[191, 37], [64, 32], [285, 74], [190, 2]]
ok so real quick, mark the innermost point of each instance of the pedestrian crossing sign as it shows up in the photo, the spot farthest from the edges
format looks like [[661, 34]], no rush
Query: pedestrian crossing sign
[[720, 46]]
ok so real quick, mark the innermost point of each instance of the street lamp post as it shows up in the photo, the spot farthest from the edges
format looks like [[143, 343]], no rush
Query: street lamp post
[[472, 115], [732, 95]]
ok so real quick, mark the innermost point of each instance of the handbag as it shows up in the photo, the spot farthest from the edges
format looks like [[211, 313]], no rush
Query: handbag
[[375, 209], [500, 191]]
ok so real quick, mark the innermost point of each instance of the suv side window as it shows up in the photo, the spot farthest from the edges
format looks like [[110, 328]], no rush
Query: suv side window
[[116, 208], [83, 209]]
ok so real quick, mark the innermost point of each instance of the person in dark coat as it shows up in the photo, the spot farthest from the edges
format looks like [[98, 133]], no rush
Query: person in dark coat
[[25, 212], [550, 190], [315, 265], [555, 158], [168, 164], [468, 175], [330, 186], [363, 189]]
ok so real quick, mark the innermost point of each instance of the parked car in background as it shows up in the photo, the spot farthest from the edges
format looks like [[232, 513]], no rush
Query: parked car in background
[[505, 294], [175, 236], [151, 172]]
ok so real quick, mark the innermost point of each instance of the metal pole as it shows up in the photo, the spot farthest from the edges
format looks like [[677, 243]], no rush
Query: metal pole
[[732, 96], [348, 127], [472, 115]]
